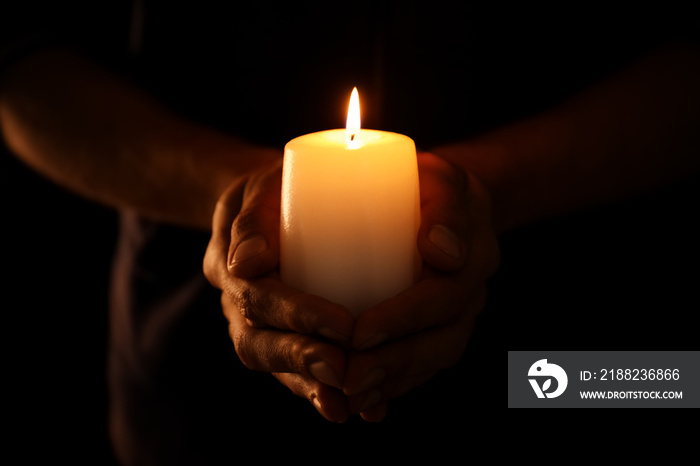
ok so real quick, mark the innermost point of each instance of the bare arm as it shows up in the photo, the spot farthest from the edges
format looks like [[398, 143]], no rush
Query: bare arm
[[634, 131], [97, 135]]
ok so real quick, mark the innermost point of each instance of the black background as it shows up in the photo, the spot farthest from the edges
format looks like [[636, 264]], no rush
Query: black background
[[623, 276]]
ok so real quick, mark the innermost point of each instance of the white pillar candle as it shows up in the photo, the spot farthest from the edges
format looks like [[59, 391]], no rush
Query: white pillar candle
[[350, 214]]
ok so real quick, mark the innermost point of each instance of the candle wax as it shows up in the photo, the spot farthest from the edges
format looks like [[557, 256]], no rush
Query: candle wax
[[350, 215]]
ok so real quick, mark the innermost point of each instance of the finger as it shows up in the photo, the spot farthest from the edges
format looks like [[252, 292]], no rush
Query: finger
[[329, 402], [227, 207], [254, 246], [429, 303], [272, 350], [375, 376], [372, 404], [436, 299], [267, 302], [443, 234], [417, 357], [376, 413]]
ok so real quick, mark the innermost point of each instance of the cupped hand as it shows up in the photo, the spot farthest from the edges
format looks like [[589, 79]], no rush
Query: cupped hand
[[317, 348], [404, 341], [301, 339]]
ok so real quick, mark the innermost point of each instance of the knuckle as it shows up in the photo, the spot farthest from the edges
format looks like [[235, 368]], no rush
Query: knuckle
[[254, 218], [300, 354], [285, 351], [245, 221], [244, 297], [241, 344], [294, 317], [231, 199], [451, 173]]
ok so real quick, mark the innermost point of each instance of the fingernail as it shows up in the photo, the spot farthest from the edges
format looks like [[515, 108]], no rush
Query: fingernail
[[371, 400], [317, 404], [249, 248], [371, 379], [445, 240], [323, 373]]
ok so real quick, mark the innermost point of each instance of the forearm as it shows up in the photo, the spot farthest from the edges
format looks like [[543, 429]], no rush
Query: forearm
[[627, 134], [95, 134]]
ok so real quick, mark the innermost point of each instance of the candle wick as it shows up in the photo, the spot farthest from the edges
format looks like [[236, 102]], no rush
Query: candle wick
[[352, 137]]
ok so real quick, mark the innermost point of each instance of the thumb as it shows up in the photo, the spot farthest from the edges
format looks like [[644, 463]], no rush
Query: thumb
[[254, 247], [443, 234]]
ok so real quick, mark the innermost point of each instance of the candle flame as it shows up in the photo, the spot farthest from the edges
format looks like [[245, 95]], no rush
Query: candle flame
[[352, 125]]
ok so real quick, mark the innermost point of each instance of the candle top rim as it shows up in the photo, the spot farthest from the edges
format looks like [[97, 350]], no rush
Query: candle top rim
[[338, 135]]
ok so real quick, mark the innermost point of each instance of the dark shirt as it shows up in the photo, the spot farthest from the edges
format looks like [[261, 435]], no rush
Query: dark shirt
[[270, 71]]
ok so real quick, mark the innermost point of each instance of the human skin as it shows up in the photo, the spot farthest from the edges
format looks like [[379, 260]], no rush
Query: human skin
[[630, 133], [317, 348], [98, 136], [103, 138]]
